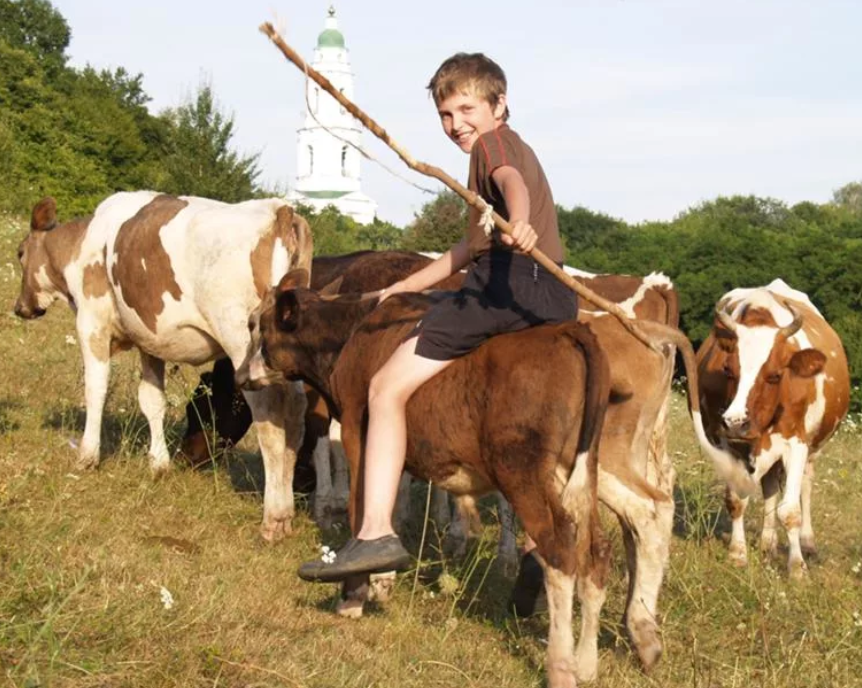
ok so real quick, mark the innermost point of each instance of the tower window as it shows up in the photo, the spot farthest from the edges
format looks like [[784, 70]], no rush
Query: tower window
[[342, 109], [310, 160], [344, 161], [315, 100]]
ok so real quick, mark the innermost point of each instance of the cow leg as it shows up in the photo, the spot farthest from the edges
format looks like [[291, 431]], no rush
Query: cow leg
[[151, 398], [771, 484], [592, 596], [807, 535], [401, 515], [736, 505], [466, 525], [323, 496], [440, 507], [340, 471], [507, 550], [278, 415], [647, 530], [96, 351], [789, 511], [560, 661]]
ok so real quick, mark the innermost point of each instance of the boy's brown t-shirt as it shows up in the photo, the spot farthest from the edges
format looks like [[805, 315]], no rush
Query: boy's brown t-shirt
[[498, 148]]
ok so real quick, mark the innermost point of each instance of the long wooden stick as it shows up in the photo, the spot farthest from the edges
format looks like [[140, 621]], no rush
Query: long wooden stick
[[469, 196]]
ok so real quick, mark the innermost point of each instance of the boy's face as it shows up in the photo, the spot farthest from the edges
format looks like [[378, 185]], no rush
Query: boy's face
[[465, 117]]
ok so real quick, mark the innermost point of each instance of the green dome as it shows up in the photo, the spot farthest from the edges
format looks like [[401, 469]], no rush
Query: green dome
[[330, 38]]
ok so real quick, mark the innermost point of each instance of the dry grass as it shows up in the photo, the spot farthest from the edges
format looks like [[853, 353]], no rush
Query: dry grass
[[84, 558]]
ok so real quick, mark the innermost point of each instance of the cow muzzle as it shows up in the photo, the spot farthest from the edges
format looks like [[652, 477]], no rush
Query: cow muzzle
[[255, 375], [26, 312], [737, 427]]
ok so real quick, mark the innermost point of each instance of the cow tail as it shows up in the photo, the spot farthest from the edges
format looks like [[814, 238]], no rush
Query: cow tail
[[592, 549], [725, 464]]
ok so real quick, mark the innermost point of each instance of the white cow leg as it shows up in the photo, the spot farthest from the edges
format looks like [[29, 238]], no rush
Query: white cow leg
[[340, 468], [97, 367], [323, 495], [151, 398], [736, 505], [560, 661], [647, 531], [807, 536], [771, 484], [592, 598], [789, 511], [268, 411]]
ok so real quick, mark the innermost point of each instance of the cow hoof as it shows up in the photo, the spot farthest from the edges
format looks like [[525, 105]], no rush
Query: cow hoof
[[349, 609], [87, 463], [381, 587], [797, 570], [276, 531], [809, 549], [738, 555], [645, 638], [561, 675], [159, 470]]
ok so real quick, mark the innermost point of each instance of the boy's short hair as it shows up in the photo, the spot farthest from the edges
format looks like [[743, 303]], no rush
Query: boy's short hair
[[473, 71]]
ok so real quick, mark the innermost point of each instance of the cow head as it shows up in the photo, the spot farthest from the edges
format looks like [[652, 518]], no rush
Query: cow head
[[255, 373], [762, 366], [41, 282]]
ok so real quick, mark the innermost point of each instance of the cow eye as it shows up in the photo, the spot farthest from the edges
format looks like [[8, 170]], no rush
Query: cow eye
[[773, 378], [728, 372], [20, 254]]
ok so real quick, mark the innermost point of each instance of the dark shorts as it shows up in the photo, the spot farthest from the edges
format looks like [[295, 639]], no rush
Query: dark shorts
[[503, 292]]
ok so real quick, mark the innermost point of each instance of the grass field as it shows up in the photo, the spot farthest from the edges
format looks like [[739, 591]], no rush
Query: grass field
[[111, 579]]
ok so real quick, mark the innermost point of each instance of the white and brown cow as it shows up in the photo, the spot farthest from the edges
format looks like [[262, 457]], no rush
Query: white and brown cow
[[774, 387], [176, 278]]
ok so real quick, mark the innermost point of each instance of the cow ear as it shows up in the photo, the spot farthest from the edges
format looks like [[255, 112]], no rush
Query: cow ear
[[807, 363], [332, 288], [287, 311], [44, 215], [293, 279]]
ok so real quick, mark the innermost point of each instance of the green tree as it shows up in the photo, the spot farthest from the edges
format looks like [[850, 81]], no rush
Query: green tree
[[35, 26], [199, 159], [849, 196], [439, 225]]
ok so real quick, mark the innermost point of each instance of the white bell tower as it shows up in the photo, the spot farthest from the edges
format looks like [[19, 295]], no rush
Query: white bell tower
[[328, 168]]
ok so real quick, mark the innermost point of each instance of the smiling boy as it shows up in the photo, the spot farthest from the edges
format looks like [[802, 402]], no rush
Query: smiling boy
[[504, 291]]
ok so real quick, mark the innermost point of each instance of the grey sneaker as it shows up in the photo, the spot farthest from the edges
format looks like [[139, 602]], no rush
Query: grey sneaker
[[356, 557]]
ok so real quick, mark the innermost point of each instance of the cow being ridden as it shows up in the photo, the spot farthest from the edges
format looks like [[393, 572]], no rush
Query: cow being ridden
[[521, 414], [176, 278], [774, 387]]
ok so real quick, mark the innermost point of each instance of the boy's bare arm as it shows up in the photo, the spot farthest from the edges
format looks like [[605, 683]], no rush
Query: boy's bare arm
[[514, 190], [448, 264]]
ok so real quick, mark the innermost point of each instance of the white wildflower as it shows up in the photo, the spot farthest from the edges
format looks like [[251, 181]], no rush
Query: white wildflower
[[857, 619], [328, 554], [857, 567], [70, 340], [167, 598]]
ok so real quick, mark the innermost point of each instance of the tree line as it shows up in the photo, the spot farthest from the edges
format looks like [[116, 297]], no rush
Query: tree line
[[82, 134]]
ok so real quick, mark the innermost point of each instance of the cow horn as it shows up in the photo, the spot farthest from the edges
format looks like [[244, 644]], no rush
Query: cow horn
[[725, 319], [789, 330]]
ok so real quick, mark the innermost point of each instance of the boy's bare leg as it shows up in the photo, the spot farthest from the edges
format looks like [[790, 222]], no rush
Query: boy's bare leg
[[386, 441], [376, 547]]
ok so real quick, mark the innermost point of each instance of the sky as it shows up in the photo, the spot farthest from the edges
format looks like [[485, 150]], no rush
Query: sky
[[638, 109]]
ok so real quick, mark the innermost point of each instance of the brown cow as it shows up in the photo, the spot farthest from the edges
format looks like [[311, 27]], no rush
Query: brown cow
[[774, 387], [521, 414]]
